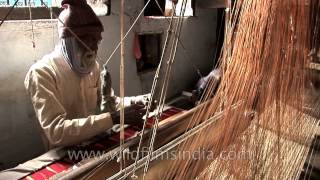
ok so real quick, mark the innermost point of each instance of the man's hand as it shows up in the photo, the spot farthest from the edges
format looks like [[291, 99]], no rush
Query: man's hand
[[141, 99], [132, 115], [106, 81], [144, 100]]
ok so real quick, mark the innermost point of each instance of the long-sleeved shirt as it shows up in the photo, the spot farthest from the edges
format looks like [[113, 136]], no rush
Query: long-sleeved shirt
[[64, 102]]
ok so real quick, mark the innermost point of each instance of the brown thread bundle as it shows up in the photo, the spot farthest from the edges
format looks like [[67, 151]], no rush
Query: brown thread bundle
[[264, 78]]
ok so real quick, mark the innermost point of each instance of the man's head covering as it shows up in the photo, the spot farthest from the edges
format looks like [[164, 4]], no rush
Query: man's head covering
[[79, 17]]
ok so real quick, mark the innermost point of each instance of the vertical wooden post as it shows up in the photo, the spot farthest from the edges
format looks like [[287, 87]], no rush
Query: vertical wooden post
[[122, 85]]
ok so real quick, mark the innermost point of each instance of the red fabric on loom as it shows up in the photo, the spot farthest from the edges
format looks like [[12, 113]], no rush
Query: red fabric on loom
[[38, 176], [167, 113], [128, 132], [174, 109], [46, 173], [42, 174], [98, 146], [106, 143], [60, 166]]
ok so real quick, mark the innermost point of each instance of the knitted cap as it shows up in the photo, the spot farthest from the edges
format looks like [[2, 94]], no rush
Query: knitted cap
[[78, 16]]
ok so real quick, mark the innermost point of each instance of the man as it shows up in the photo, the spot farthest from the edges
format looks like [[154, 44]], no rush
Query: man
[[65, 85]]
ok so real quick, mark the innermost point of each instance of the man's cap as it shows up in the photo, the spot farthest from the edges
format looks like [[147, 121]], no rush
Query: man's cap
[[79, 17]]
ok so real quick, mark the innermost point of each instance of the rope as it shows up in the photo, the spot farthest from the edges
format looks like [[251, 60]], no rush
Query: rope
[[32, 30], [162, 98], [127, 33], [154, 84], [53, 25], [182, 45], [166, 83], [78, 39]]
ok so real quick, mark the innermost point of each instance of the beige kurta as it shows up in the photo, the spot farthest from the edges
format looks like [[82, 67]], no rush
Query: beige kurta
[[64, 102]]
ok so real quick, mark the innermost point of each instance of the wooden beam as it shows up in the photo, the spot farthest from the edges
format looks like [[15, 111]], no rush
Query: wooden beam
[[208, 4], [22, 13]]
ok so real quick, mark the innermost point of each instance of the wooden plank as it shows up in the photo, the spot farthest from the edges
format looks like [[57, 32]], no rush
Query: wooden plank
[[22, 13], [208, 4]]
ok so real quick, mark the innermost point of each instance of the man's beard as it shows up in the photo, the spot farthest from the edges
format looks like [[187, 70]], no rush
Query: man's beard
[[79, 59], [87, 59]]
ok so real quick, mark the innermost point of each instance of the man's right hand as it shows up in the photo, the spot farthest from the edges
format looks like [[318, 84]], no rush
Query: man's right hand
[[132, 115]]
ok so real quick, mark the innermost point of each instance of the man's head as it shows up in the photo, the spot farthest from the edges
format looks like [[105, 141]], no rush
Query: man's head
[[78, 21], [78, 17]]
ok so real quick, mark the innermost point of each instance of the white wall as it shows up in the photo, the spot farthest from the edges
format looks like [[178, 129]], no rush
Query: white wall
[[19, 137]]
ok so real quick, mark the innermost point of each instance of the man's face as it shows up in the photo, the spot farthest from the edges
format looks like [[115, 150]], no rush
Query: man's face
[[88, 52], [91, 40]]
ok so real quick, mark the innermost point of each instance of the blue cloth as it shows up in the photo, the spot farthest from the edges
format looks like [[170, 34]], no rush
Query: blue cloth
[[74, 57]]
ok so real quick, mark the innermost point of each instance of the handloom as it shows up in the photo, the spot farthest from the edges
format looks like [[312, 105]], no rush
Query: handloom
[[262, 113], [261, 102]]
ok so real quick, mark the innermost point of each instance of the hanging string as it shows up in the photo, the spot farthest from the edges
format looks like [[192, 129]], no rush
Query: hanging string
[[127, 33], [164, 88], [31, 22], [85, 45], [153, 86], [53, 23], [166, 84], [152, 93], [182, 45], [72, 33], [163, 94], [212, 83]]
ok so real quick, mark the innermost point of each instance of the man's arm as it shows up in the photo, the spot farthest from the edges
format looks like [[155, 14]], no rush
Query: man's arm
[[109, 101], [59, 130]]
